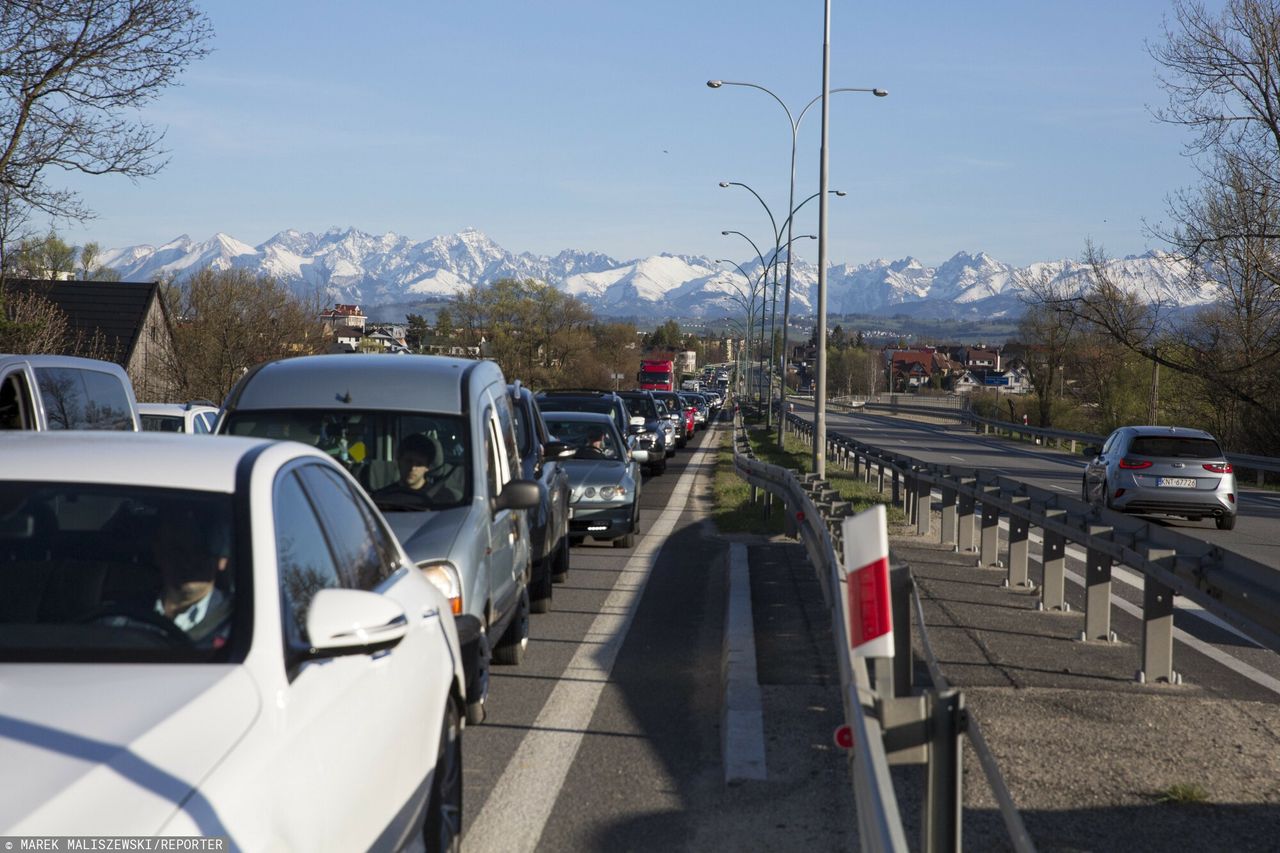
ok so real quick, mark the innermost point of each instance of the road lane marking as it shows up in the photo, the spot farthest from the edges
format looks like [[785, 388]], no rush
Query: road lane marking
[[517, 810]]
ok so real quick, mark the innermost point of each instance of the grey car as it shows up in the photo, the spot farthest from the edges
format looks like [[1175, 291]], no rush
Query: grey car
[[604, 478], [1165, 470]]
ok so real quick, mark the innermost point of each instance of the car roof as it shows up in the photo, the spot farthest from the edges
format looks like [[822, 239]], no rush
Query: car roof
[[426, 383], [162, 460], [174, 409]]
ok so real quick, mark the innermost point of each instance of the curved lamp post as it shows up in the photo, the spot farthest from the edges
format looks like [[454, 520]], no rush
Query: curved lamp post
[[747, 301], [780, 364], [795, 130], [764, 269]]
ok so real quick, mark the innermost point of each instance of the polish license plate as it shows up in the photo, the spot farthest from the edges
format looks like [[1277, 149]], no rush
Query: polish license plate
[[1177, 482]]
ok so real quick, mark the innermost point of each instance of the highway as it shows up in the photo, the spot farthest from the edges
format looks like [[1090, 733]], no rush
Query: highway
[[608, 736]]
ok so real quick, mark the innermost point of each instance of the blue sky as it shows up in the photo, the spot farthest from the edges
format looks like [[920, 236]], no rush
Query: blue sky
[[1016, 128]]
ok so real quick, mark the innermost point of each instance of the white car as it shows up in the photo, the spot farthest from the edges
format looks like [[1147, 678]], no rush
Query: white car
[[196, 418], [218, 638]]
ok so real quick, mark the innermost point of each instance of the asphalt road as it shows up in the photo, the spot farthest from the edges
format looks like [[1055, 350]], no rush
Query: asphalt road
[[608, 736]]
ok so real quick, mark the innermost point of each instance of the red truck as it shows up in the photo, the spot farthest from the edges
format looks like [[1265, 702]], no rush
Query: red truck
[[657, 375]]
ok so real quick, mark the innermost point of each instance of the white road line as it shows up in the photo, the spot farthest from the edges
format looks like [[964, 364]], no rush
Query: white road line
[[517, 810]]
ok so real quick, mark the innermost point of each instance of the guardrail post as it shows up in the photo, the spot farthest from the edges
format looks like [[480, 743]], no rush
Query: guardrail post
[[942, 792], [1019, 529], [924, 507], [1157, 624], [1097, 580], [896, 493], [1053, 561], [990, 554], [880, 483], [901, 585], [964, 542], [948, 516]]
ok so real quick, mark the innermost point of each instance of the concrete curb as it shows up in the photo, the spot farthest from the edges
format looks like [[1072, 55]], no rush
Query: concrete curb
[[741, 709]]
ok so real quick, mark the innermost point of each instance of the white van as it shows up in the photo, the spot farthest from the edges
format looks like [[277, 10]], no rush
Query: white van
[[57, 392]]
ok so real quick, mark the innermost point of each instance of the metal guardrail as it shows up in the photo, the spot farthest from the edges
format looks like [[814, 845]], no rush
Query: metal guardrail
[[1242, 592], [889, 724]]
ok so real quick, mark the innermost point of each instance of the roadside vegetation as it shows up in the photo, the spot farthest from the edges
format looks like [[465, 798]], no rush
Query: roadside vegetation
[[735, 513]]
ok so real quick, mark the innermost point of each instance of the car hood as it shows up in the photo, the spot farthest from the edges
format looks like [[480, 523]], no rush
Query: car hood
[[604, 472], [428, 535], [113, 749]]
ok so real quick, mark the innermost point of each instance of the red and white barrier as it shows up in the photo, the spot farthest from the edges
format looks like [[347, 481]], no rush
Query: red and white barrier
[[868, 614]]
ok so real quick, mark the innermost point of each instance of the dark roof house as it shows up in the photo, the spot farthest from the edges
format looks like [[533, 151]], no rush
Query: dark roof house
[[130, 320]]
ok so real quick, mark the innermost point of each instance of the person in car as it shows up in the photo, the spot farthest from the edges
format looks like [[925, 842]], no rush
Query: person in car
[[190, 554], [423, 472], [594, 448]]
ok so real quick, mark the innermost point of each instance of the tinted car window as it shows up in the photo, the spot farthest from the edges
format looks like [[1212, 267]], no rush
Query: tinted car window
[[161, 423], [83, 399], [642, 406], [92, 571], [608, 406], [306, 565], [1175, 447], [360, 563]]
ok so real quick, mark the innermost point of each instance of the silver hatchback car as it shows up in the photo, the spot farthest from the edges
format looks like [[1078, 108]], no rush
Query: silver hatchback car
[[1166, 470]]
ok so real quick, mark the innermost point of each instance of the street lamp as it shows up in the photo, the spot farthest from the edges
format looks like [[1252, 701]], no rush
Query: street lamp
[[773, 320], [764, 269], [795, 130], [747, 301]]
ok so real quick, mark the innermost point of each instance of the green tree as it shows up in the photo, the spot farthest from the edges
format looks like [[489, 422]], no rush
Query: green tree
[[417, 331]]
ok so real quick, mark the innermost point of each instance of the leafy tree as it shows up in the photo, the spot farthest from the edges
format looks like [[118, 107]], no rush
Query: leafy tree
[[417, 332], [444, 324], [226, 321], [47, 257], [665, 337]]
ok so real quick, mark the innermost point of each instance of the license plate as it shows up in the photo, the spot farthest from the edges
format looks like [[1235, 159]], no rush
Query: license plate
[[1177, 482]]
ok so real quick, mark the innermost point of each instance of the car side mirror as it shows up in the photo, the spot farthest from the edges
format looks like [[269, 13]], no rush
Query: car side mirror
[[1092, 450], [640, 456], [353, 622], [518, 494], [636, 421]]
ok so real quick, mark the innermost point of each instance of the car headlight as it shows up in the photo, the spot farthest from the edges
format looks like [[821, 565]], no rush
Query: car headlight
[[599, 494], [444, 576]]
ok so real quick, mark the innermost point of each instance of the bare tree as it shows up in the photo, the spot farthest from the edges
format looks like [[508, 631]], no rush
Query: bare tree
[[73, 74], [226, 321]]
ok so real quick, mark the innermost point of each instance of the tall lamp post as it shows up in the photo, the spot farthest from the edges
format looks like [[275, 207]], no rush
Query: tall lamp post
[[747, 301], [795, 130], [764, 267], [773, 319]]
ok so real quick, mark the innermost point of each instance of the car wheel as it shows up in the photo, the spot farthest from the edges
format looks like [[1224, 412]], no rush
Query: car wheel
[[560, 570], [510, 649], [540, 597], [1226, 522], [442, 829], [628, 540], [658, 468], [478, 692]]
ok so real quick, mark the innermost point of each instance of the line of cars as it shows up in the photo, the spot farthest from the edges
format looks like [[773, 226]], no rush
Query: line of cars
[[211, 637]]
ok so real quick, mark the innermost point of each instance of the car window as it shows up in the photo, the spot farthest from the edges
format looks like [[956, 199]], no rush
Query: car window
[[492, 467], [368, 444], [92, 571], [524, 429], [1109, 443], [506, 429], [15, 403], [593, 441], [361, 563], [161, 423], [1175, 447], [198, 424], [305, 563], [83, 399]]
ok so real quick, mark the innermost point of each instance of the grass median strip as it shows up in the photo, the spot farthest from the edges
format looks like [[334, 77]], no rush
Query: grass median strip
[[734, 512]]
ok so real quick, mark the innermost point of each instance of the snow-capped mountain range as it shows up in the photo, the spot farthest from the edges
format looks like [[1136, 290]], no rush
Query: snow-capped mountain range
[[386, 274]]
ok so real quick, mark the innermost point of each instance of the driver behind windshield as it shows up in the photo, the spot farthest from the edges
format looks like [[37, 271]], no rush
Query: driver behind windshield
[[423, 473], [190, 554]]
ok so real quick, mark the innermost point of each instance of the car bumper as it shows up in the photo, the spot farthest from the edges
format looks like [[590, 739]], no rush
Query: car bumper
[[1175, 501], [608, 522]]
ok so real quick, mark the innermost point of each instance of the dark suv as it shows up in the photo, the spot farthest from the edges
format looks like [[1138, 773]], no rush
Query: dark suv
[[644, 404], [640, 434], [540, 460]]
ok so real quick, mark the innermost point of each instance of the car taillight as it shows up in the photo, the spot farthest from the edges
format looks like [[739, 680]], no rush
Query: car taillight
[[1218, 467], [1135, 463]]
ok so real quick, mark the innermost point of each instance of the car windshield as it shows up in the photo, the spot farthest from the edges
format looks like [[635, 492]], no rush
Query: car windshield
[[406, 461], [642, 406], [594, 441], [94, 572], [1175, 447], [653, 377]]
